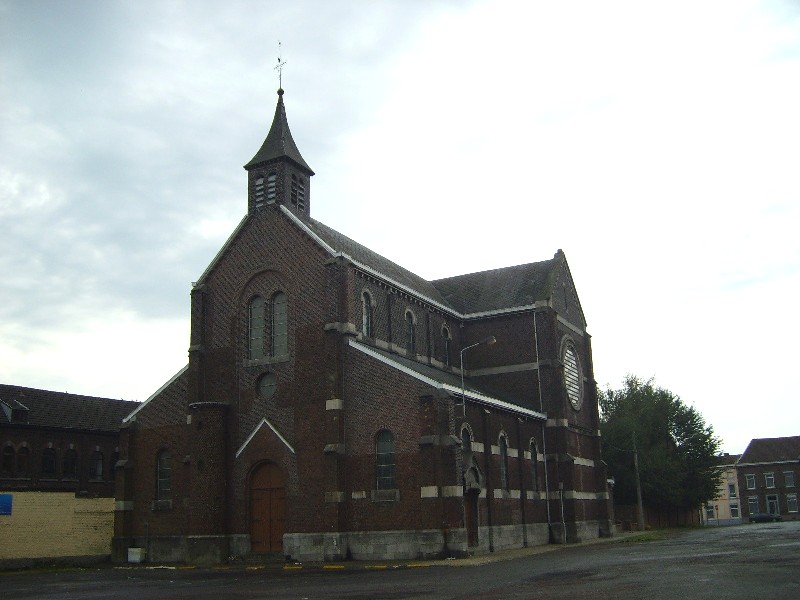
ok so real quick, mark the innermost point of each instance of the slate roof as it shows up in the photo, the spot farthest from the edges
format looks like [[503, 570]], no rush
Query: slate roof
[[279, 142], [509, 287], [64, 411], [727, 460], [341, 243], [766, 450]]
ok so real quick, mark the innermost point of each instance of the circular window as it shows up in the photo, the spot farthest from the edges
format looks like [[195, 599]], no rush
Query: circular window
[[266, 385], [572, 376]]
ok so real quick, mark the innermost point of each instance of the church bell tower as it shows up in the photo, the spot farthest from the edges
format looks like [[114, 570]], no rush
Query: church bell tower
[[277, 174]]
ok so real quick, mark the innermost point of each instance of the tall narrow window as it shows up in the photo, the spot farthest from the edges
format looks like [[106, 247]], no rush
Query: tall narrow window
[[23, 461], [7, 461], [769, 480], [503, 463], [750, 480], [298, 192], [446, 346], [788, 478], [96, 465], [258, 195], [164, 477], [384, 461], [271, 178], [535, 465], [280, 338], [255, 328], [366, 314], [49, 462], [70, 464], [572, 376], [411, 338], [752, 504], [466, 440]]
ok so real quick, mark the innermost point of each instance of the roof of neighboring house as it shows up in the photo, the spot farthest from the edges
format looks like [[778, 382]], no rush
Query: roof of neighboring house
[[766, 450], [727, 460], [62, 410]]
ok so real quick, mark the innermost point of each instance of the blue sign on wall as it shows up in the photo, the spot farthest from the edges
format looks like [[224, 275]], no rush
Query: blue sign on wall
[[5, 504]]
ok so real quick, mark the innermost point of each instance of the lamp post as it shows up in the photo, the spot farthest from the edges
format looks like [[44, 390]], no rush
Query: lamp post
[[488, 341]]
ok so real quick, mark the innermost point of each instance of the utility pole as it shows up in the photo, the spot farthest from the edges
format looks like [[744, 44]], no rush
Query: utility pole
[[638, 484]]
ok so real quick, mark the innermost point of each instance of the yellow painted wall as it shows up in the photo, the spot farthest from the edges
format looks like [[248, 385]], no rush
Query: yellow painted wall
[[51, 524]]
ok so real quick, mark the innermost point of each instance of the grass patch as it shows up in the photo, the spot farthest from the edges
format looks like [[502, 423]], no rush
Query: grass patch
[[647, 536]]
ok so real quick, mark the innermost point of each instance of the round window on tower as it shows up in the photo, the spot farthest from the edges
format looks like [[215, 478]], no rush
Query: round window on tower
[[573, 382], [266, 385]]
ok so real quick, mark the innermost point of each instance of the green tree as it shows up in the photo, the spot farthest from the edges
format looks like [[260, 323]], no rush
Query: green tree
[[676, 448]]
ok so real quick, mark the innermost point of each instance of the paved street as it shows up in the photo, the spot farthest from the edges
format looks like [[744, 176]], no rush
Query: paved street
[[748, 561]]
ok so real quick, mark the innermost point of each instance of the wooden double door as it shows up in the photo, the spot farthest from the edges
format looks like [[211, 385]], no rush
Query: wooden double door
[[267, 508]]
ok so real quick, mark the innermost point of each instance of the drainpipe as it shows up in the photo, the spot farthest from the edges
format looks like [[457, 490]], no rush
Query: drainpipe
[[544, 425]]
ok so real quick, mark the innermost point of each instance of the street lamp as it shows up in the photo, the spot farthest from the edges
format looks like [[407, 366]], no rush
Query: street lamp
[[488, 341]]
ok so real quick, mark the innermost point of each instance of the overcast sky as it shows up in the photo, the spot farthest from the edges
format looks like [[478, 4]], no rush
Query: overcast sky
[[658, 144]]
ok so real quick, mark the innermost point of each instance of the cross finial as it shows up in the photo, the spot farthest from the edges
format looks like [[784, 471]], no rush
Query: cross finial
[[279, 66]]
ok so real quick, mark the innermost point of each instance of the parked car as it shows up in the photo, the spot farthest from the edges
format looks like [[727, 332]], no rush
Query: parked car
[[764, 518]]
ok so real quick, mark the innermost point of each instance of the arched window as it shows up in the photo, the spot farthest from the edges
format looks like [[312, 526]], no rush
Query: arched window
[[446, 346], [411, 337], [384, 460], [573, 382], [49, 461], [466, 440], [163, 476], [23, 461], [96, 465], [70, 463], [259, 191], [7, 461], [271, 186], [503, 462], [366, 314], [280, 339], [255, 328], [535, 465]]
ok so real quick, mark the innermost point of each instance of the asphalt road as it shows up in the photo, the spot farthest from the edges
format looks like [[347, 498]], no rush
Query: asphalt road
[[747, 561]]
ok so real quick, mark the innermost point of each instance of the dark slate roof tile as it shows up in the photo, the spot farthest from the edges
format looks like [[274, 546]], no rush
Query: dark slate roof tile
[[762, 450], [66, 411]]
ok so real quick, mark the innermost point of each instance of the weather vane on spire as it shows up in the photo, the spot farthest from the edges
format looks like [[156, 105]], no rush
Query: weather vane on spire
[[279, 66]]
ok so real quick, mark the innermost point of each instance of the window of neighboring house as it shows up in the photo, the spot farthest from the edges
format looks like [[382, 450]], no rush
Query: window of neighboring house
[[366, 314], [503, 463], [49, 461], [791, 503], [163, 476], [772, 504], [259, 191], [752, 504], [734, 511], [7, 461], [271, 186], [384, 461], [280, 338], [751, 481], [96, 465], [23, 462], [732, 490], [446, 346], [788, 478], [535, 465], [769, 480], [411, 338], [70, 464], [709, 511], [255, 328]]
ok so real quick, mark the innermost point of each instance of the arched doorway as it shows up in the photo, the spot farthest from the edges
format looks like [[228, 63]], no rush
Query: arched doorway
[[267, 505]]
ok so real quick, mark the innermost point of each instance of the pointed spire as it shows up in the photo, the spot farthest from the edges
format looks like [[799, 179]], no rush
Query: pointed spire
[[279, 142]]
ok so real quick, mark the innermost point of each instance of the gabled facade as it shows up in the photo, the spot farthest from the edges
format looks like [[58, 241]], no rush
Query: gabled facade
[[768, 472], [323, 413], [725, 508]]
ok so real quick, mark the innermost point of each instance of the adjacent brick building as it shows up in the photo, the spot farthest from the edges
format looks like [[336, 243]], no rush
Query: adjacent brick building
[[768, 472], [57, 457], [323, 415]]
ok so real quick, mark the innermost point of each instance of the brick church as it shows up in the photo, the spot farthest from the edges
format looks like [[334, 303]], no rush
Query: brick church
[[336, 405]]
